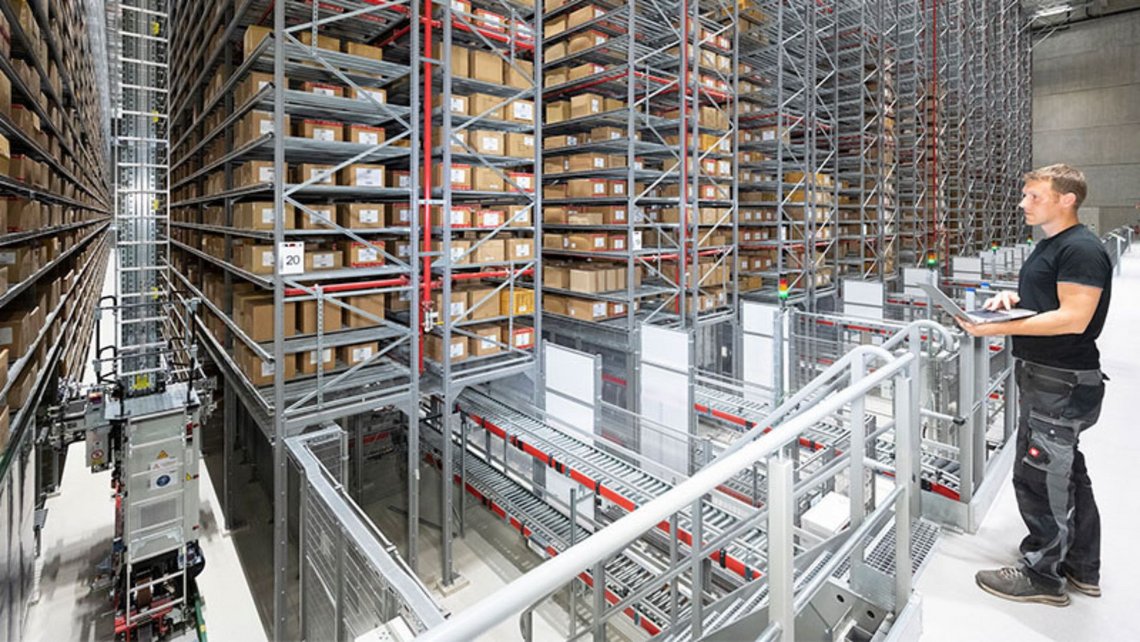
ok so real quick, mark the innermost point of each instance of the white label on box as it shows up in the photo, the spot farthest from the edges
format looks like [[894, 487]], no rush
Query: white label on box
[[457, 253], [595, 105], [403, 180], [404, 215], [599, 188], [522, 249], [571, 140], [637, 240], [374, 94], [488, 343], [525, 181], [370, 216], [267, 215], [600, 162], [265, 126], [458, 308], [369, 254], [324, 91], [523, 111], [265, 174], [457, 105], [369, 138], [769, 135], [600, 309], [457, 217], [326, 353], [266, 369], [361, 354], [528, 141], [600, 242], [619, 243], [7, 258], [458, 6], [292, 255], [619, 188], [404, 250], [458, 175], [522, 339], [619, 215], [324, 135], [313, 173], [369, 176], [324, 260], [491, 144], [457, 349]]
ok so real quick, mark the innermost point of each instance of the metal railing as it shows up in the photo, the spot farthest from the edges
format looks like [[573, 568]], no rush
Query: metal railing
[[353, 580], [771, 450], [1117, 243]]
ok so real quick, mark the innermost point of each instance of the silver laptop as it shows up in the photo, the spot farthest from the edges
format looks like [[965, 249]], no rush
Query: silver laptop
[[973, 316]]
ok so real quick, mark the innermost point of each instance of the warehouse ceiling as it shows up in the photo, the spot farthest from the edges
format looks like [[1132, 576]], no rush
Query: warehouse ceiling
[[1058, 13]]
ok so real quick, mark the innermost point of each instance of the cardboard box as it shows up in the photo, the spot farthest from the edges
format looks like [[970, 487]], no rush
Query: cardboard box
[[317, 260], [520, 111], [361, 215], [363, 175], [586, 105], [372, 94], [488, 342], [252, 38], [519, 73], [457, 308], [460, 60], [523, 180], [488, 218], [492, 250], [5, 156], [586, 309], [365, 304], [459, 248], [458, 216], [517, 302], [588, 242], [258, 259], [309, 363], [522, 338], [364, 134], [555, 241], [486, 66], [357, 353], [434, 349], [518, 215], [364, 51], [459, 104], [582, 15], [483, 302], [486, 179], [260, 215], [260, 373], [328, 43], [326, 131], [558, 111], [519, 249], [459, 176], [253, 313], [253, 173], [313, 217], [586, 162], [486, 106], [586, 280], [309, 171], [488, 142], [331, 316], [520, 145], [556, 276], [587, 188], [322, 89], [359, 255]]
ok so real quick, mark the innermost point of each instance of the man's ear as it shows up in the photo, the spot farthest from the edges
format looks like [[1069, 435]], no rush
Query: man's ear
[[1069, 200]]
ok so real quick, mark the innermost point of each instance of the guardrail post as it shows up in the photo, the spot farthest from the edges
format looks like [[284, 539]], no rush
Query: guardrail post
[[599, 573], [781, 552], [696, 603], [858, 483], [907, 433]]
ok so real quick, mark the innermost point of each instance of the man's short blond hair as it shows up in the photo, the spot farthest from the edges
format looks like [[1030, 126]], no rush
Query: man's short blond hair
[[1063, 179]]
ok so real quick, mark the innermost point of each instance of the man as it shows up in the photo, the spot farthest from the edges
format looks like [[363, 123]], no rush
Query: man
[[1068, 280]]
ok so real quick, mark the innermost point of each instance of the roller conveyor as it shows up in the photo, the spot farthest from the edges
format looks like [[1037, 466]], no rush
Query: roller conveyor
[[549, 530], [613, 479]]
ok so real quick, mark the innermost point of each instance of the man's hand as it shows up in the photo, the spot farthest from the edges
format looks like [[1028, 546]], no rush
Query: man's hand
[[1005, 300], [974, 329]]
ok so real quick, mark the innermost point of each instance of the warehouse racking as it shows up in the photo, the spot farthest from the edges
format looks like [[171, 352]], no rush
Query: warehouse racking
[[54, 209]]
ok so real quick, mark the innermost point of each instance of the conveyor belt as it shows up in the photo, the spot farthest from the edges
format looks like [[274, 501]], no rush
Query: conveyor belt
[[613, 479], [549, 530]]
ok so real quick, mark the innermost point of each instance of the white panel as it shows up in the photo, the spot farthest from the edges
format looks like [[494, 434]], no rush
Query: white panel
[[665, 347], [759, 367], [865, 293], [560, 486], [967, 267], [863, 311], [570, 372], [665, 401], [758, 318], [914, 276], [577, 417]]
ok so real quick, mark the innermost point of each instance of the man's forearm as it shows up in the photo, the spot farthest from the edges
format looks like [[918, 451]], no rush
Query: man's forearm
[[1046, 324]]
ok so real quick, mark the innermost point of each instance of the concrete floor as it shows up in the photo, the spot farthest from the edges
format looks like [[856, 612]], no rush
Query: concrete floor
[[956, 609]]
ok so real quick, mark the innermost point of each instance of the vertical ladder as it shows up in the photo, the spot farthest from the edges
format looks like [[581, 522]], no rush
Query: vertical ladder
[[142, 194]]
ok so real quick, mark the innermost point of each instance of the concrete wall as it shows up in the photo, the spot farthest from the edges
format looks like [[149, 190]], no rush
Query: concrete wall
[[1086, 111]]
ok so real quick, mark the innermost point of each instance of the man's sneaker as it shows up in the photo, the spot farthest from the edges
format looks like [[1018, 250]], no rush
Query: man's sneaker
[[1091, 589], [1014, 584]]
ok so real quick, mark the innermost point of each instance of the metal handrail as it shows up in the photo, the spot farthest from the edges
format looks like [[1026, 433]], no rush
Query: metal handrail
[[534, 586]]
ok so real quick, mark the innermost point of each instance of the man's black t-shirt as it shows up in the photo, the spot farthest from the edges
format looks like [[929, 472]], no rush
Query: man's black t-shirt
[[1075, 255]]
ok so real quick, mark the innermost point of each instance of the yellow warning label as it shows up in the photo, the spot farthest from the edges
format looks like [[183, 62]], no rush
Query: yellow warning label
[[162, 454], [188, 477]]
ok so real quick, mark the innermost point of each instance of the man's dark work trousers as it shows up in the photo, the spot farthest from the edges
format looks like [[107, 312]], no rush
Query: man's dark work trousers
[[1054, 492]]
